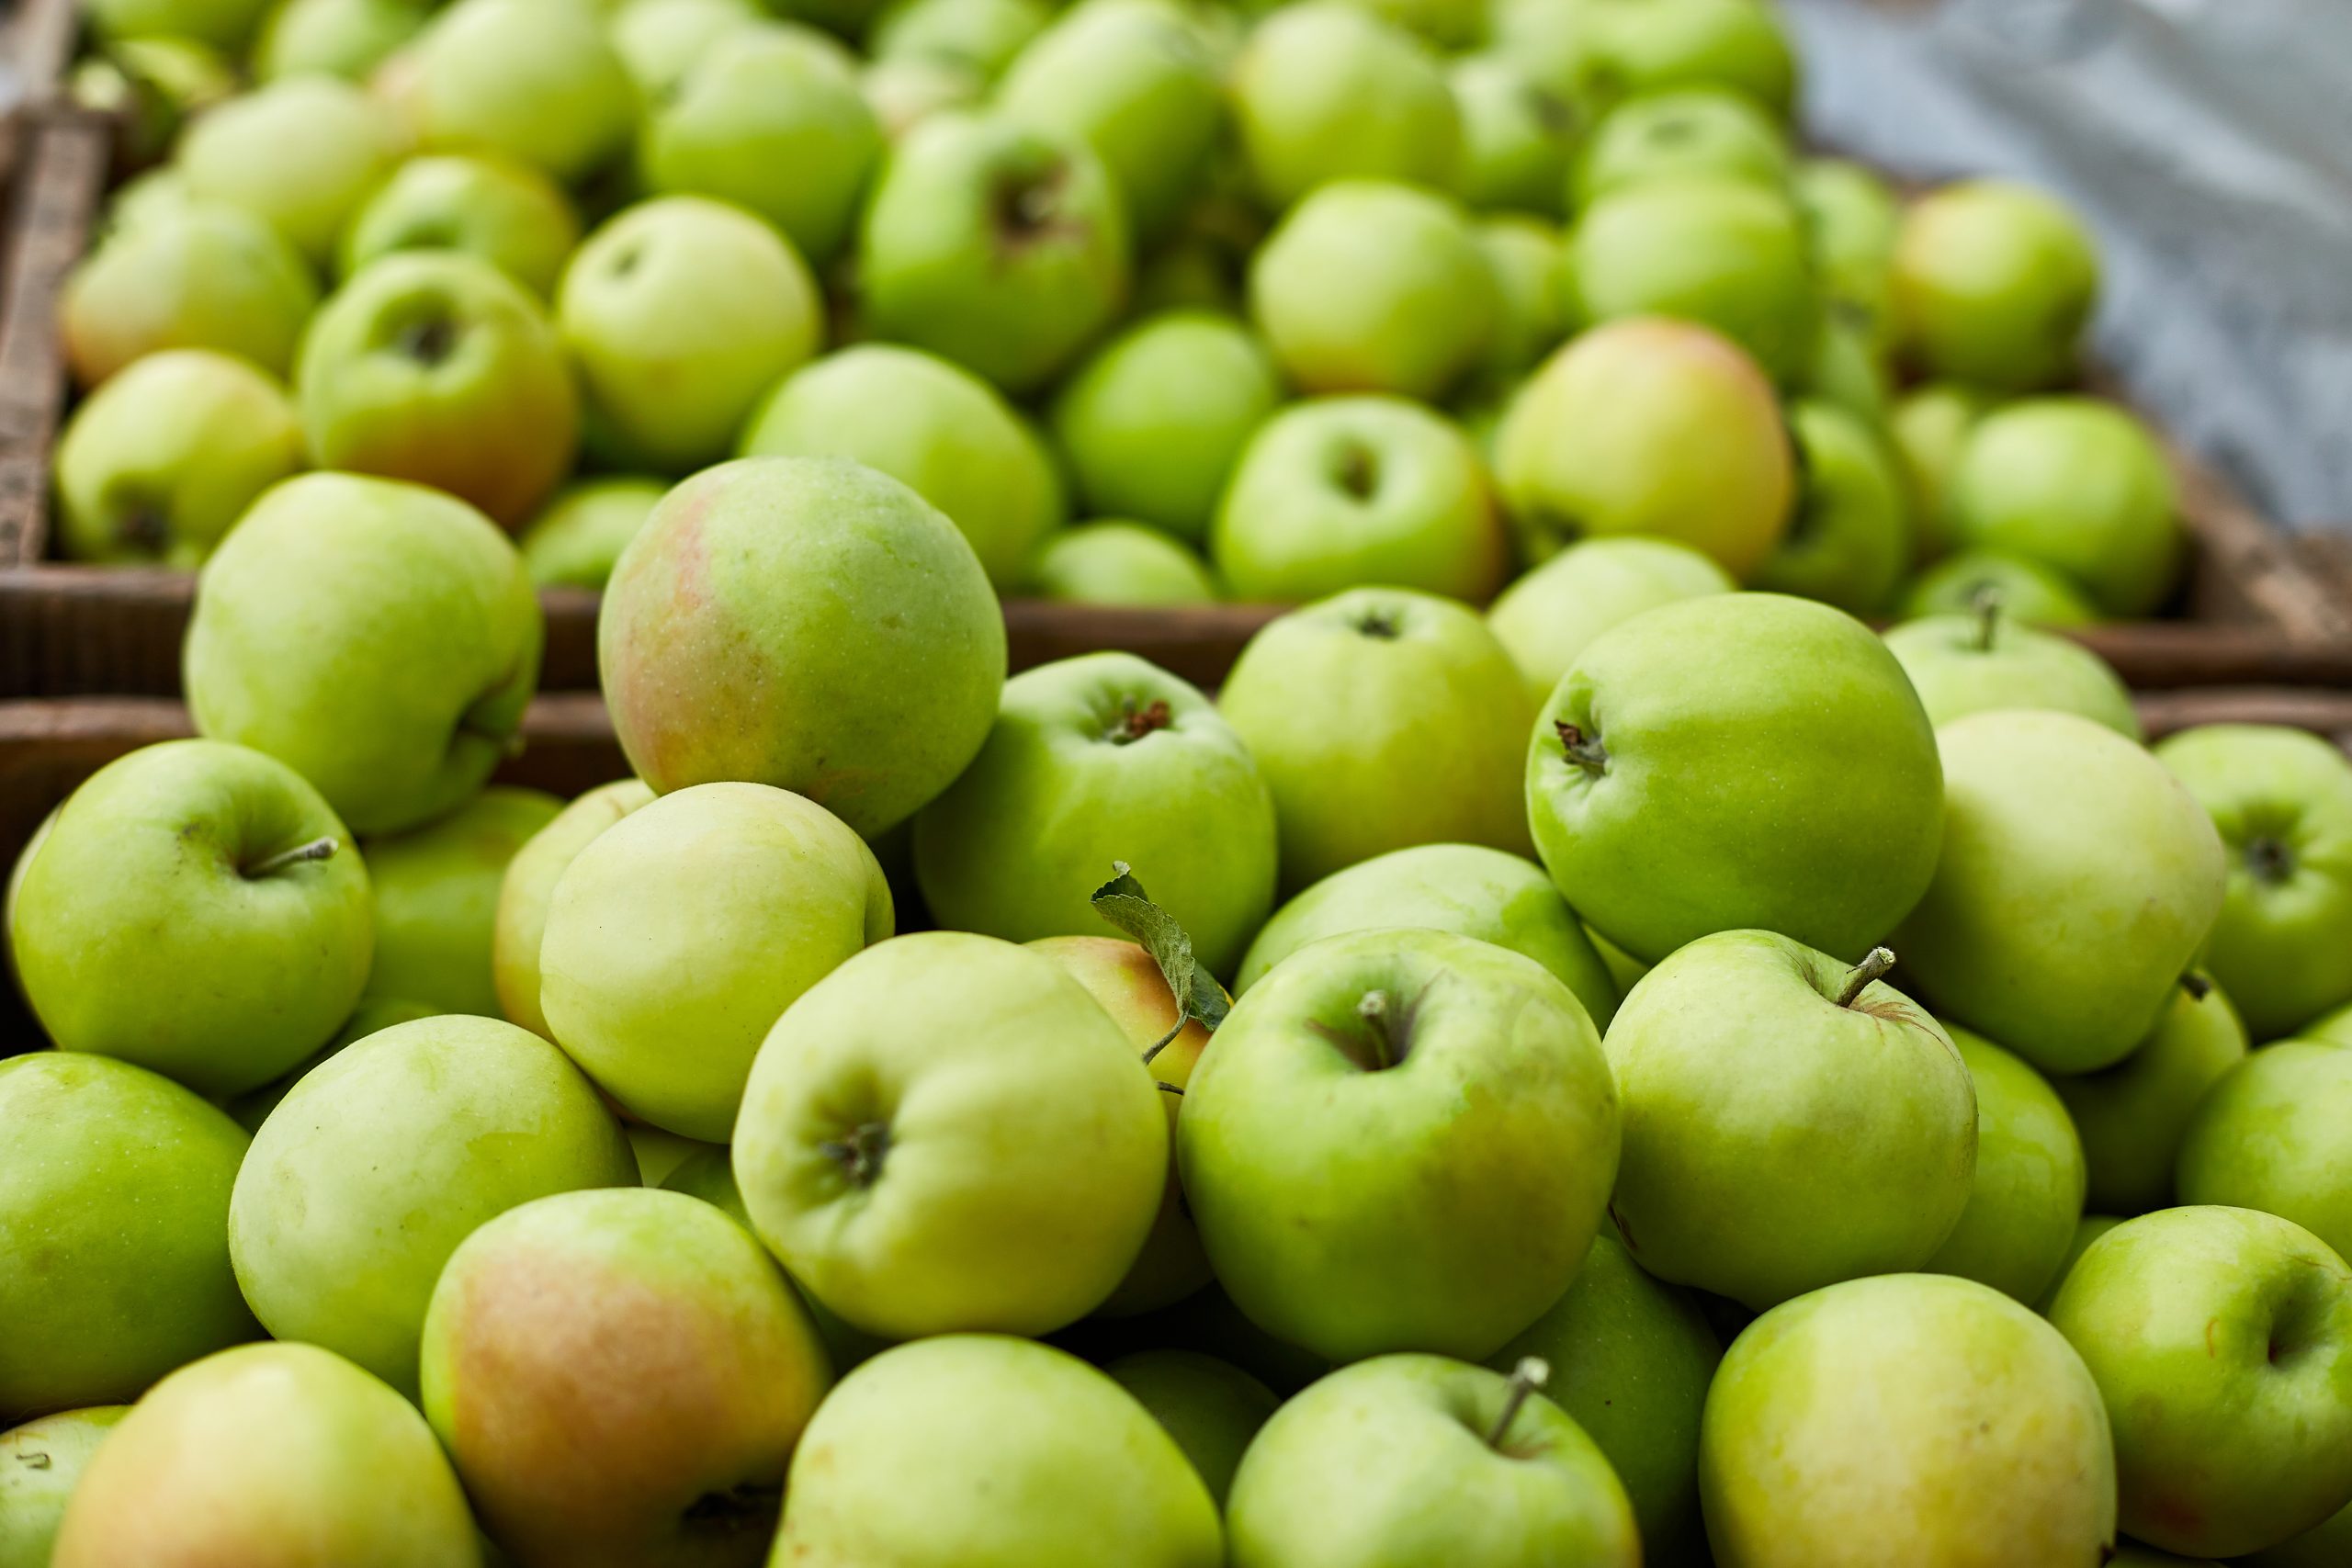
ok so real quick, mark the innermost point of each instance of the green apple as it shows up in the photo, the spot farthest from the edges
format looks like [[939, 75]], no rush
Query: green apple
[[2077, 880], [337, 37], [379, 637], [995, 244], [2087, 1229], [157, 464], [1994, 283], [2273, 1134], [2133, 1115], [659, 1154], [984, 34], [1676, 134], [436, 898], [1206, 1321], [947, 1134], [2334, 1027], [1212, 1408], [1400, 1139], [373, 1015], [771, 121], [224, 24], [506, 213], [1381, 718], [1525, 254], [2027, 1193], [1598, 443], [1847, 539], [1099, 758], [928, 1456], [152, 87], [675, 937], [1962, 664], [1419, 1459], [1602, 50], [1516, 136], [577, 536], [538, 80], [1154, 422], [933, 425], [565, 1332], [1854, 221], [528, 886], [1119, 563], [436, 368], [1736, 761], [383, 1159], [1336, 491], [299, 155], [186, 858], [270, 1455], [2326, 1547], [1467, 889], [1373, 286], [1724, 253], [1547, 618], [1912, 1418], [1843, 369], [114, 1189], [662, 42], [2028, 591], [201, 275], [1719, 1053], [1930, 426], [2078, 485], [1631, 1359], [1447, 24], [1327, 91], [41, 1463], [905, 90], [2222, 1339], [160, 192], [2282, 801]]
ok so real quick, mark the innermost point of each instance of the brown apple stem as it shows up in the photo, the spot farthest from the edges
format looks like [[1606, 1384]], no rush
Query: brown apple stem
[[1529, 1377], [1873, 967], [2198, 987], [861, 1154], [317, 849], [1585, 750], [1985, 606]]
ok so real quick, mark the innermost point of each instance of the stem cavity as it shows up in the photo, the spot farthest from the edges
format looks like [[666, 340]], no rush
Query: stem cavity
[[1135, 721], [317, 849], [2198, 987], [1873, 967], [1529, 1377], [1586, 752], [861, 1154]]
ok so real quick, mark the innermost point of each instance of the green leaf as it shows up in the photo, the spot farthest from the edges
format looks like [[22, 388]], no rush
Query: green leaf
[[1123, 903]]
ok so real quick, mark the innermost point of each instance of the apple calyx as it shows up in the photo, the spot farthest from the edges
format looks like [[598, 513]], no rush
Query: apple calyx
[[144, 524], [1527, 1378], [317, 849], [2271, 860], [861, 1154], [1135, 722], [1872, 968], [1985, 604], [429, 340], [2198, 987], [1028, 209], [1585, 750], [1355, 469]]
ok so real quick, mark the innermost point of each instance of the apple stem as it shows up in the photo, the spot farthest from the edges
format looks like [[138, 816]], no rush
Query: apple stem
[[2198, 987], [1166, 1040], [861, 1154], [1985, 606], [1872, 968], [1529, 1377], [317, 849], [1586, 752], [1135, 722]]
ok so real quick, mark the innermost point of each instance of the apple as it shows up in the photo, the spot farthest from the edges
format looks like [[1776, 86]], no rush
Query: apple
[[334, 38], [1336, 491], [1327, 91], [2087, 1229], [1154, 422], [1603, 50], [928, 1456], [1381, 718], [771, 121], [2222, 1339], [994, 244], [566, 1330], [661, 41], [905, 90], [1962, 664], [1930, 426], [382, 1159], [1598, 443], [1118, 562], [1419, 1459], [2334, 1027], [1848, 539], [1547, 618], [2282, 802], [529, 887], [1631, 1359], [299, 155], [676, 936], [1790, 1122], [1373, 286], [1910, 1419], [1525, 255], [222, 23], [2077, 880], [1212, 1408], [379, 637], [1517, 134], [373, 1015], [1854, 221], [577, 536], [1207, 1322], [1662, 818], [806, 622], [201, 275], [985, 35], [41, 1463], [2272, 1135], [1994, 283], [1678, 134], [2323, 1546], [537, 80], [113, 1187], [2028, 591], [2133, 1116], [2028, 1194], [947, 1134], [659, 1153], [436, 898], [505, 213], [930, 424]]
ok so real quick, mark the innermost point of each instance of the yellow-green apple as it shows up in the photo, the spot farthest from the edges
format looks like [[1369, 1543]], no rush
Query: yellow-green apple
[[1212, 1408], [1994, 283], [907, 89], [2334, 1026], [1517, 134], [529, 887], [222, 23], [1679, 133], [152, 87], [929, 1455], [2077, 880], [1848, 539], [1525, 254], [538, 80], [678, 314], [1598, 443], [299, 155], [1381, 718], [1447, 24], [2325, 1547], [1115, 561], [504, 212], [1603, 50], [2222, 1339], [40, 1464], [2078, 485], [933, 426], [1724, 253], [577, 536], [661, 41], [659, 1154], [2276, 1134], [1853, 221], [620, 1377], [372, 1015], [2133, 1115], [1547, 618], [1334, 492], [336, 38], [2029, 590], [381, 638], [1420, 1459], [113, 1192], [201, 275], [2087, 1229], [1910, 1419], [676, 936], [383, 1159], [985, 35], [947, 1133], [436, 898], [1327, 90], [1648, 757], [2027, 1196], [806, 622], [1962, 664], [269, 1456], [1930, 426], [156, 463], [1845, 370]]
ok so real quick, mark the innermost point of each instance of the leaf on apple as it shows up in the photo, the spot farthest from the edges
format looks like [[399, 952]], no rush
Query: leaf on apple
[[1123, 903]]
